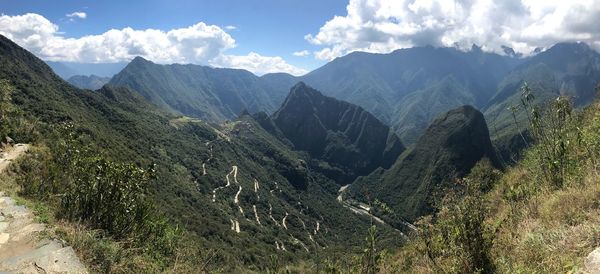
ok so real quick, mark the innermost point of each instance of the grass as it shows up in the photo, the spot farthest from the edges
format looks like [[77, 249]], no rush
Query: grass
[[539, 226]]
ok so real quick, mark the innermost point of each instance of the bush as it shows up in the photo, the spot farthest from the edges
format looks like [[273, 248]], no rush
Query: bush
[[87, 188], [552, 128], [457, 238]]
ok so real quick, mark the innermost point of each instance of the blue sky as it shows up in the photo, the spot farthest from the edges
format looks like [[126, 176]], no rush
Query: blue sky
[[267, 27], [263, 35]]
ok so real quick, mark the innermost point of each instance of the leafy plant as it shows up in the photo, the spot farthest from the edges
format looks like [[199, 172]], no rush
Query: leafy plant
[[457, 238], [550, 126]]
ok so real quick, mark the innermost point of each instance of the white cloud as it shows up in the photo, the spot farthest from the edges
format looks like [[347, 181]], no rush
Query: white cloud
[[257, 63], [230, 27], [77, 14], [301, 53], [195, 44], [198, 44], [385, 25]]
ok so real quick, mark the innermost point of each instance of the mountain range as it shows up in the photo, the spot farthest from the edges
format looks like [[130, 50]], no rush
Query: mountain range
[[255, 165], [210, 176], [405, 89], [212, 94]]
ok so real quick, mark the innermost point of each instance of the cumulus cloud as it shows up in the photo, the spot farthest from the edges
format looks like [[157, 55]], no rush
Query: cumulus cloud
[[194, 44], [301, 53], [77, 14], [384, 25], [198, 44], [230, 27], [257, 63]]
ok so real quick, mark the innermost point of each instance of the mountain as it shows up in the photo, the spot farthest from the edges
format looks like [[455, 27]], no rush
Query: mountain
[[347, 140], [212, 94], [92, 82], [272, 197], [408, 88], [569, 69], [405, 89], [67, 70], [448, 149]]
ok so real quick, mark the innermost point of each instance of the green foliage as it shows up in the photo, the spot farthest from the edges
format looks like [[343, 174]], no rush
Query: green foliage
[[457, 238], [371, 256], [6, 108], [551, 126], [86, 187], [122, 128], [92, 82]]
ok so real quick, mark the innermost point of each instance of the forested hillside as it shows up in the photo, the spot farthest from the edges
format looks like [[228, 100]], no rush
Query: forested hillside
[[220, 188]]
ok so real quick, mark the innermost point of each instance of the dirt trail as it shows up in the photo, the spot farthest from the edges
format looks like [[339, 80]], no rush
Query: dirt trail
[[256, 214], [271, 215], [235, 225], [233, 171], [21, 249], [13, 153], [283, 221], [236, 199], [256, 188]]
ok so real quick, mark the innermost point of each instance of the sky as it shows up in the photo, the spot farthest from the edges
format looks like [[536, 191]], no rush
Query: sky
[[293, 36]]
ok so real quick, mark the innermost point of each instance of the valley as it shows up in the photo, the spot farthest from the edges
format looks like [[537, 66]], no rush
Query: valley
[[180, 151]]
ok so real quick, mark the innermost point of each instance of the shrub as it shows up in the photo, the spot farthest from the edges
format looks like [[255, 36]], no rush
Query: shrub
[[457, 238], [551, 126], [88, 188]]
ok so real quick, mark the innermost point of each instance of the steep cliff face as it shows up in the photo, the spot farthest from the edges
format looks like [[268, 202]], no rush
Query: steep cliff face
[[448, 149], [346, 140]]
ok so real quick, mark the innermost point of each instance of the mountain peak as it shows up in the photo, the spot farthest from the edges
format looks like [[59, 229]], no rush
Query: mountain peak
[[449, 148], [301, 89], [352, 141], [140, 60], [578, 47]]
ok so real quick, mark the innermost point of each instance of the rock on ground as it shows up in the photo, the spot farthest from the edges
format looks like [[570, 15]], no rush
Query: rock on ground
[[592, 262]]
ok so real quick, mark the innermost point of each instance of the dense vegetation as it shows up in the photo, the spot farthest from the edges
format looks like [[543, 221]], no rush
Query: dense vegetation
[[118, 135], [136, 189], [539, 216]]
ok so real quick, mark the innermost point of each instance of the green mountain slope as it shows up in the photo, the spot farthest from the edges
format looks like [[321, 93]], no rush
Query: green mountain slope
[[570, 69], [344, 139], [194, 162], [408, 88], [448, 149], [212, 94]]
